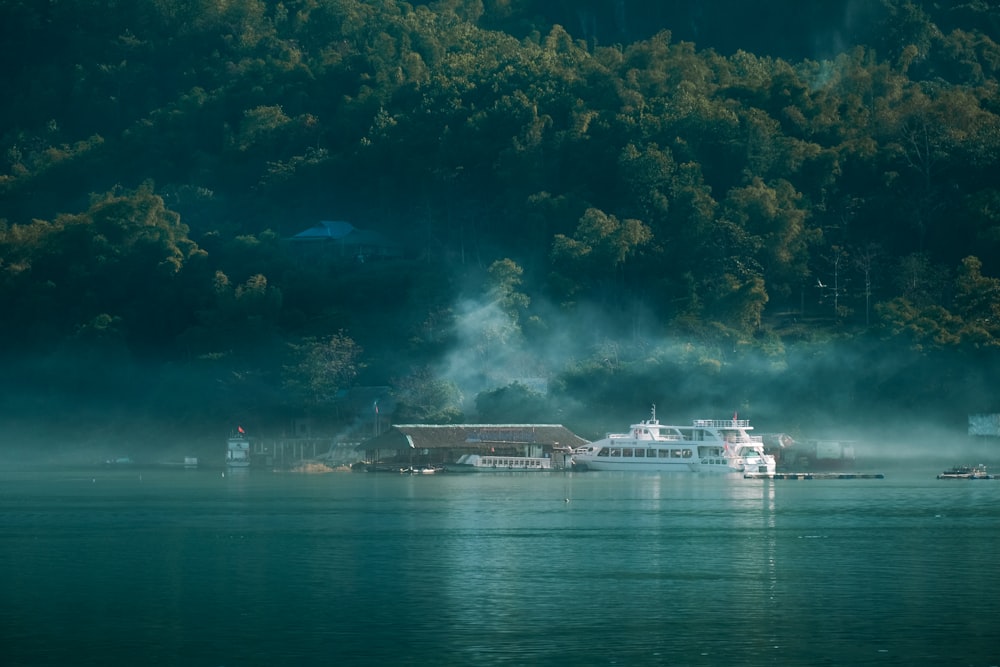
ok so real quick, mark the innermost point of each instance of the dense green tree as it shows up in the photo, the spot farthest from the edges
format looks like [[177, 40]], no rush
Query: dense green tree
[[977, 299], [600, 248], [775, 221], [424, 398], [81, 266], [505, 277], [320, 368], [971, 320]]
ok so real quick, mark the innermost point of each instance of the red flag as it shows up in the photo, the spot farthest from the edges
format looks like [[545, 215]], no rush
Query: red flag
[[240, 429]]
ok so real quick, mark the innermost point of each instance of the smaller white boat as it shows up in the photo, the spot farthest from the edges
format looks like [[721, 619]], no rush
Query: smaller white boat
[[424, 470], [491, 463], [966, 472], [238, 450]]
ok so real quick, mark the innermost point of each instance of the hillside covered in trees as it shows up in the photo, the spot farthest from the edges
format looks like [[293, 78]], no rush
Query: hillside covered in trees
[[709, 206]]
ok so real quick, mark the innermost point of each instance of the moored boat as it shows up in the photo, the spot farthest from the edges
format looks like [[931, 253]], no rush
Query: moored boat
[[424, 470], [491, 463], [238, 450], [706, 445], [966, 472], [387, 467]]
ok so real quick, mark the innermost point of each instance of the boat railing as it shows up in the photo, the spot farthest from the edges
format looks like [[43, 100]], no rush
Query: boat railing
[[513, 462], [721, 423]]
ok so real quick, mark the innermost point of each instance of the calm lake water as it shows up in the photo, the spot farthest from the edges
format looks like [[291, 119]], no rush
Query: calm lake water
[[193, 568]]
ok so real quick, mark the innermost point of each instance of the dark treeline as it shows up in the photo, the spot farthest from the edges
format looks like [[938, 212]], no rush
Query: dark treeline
[[708, 205]]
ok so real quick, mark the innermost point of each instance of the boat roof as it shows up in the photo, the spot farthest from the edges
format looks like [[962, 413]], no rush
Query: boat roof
[[735, 422], [700, 423]]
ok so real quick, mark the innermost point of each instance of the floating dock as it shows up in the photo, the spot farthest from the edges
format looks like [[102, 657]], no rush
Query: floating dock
[[813, 475]]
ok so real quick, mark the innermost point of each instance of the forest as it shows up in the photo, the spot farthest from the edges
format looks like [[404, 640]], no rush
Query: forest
[[711, 206]]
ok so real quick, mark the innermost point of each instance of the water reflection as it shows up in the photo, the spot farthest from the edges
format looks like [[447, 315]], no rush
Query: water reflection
[[560, 568]]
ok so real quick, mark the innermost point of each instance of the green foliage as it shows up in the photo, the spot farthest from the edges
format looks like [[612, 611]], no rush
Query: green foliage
[[505, 277], [320, 368], [598, 250], [424, 398], [973, 322], [67, 272], [775, 222], [672, 188]]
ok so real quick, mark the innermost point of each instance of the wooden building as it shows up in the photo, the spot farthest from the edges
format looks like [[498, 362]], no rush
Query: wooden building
[[440, 444]]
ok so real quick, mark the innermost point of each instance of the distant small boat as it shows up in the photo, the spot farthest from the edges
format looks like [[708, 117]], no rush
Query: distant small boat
[[238, 450], [424, 470], [404, 470], [386, 467], [966, 472], [119, 461]]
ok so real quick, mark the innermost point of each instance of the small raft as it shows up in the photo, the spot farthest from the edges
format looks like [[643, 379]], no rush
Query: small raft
[[814, 475]]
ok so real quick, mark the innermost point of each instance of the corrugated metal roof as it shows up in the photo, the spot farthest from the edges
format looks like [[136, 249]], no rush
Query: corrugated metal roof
[[473, 436]]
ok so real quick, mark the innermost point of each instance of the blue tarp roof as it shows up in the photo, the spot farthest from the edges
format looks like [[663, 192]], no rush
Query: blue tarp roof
[[328, 229]]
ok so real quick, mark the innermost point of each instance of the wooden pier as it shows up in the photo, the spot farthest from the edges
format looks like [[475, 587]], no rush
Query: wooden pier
[[813, 475]]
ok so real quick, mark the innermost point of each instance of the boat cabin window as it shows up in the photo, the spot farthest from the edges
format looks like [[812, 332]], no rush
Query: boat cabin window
[[603, 451], [651, 453], [615, 451], [627, 452], [664, 453]]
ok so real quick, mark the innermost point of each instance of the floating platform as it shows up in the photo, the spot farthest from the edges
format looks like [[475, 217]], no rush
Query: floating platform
[[814, 475]]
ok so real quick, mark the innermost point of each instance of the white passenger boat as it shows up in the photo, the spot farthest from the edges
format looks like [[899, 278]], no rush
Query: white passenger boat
[[707, 445], [479, 463], [238, 450]]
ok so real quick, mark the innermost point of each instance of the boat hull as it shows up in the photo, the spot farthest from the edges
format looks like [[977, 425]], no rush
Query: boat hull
[[655, 466], [969, 475], [581, 463]]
